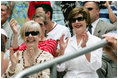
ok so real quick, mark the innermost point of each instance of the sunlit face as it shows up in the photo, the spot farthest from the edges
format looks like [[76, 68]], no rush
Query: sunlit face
[[31, 39], [79, 26], [4, 13], [94, 12]]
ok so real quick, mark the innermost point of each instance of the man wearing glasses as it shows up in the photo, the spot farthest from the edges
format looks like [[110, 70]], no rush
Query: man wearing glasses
[[99, 28]]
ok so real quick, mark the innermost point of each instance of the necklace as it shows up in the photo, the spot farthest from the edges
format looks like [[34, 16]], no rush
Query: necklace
[[34, 60]]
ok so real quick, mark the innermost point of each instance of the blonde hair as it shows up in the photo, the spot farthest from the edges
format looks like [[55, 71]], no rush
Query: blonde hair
[[30, 25]]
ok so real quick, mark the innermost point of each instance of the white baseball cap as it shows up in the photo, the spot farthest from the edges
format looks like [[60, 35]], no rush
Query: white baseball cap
[[4, 32]]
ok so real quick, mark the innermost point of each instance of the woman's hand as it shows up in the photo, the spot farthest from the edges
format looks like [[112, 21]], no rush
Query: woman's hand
[[62, 45], [13, 25], [84, 39], [13, 58]]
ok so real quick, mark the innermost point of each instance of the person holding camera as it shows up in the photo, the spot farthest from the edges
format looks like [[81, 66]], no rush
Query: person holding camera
[[100, 27], [108, 12]]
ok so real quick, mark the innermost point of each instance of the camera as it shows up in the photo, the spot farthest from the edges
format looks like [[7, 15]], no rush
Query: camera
[[102, 2]]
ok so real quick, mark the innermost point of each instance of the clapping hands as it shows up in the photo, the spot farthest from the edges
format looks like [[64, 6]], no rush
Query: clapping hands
[[63, 45], [84, 39]]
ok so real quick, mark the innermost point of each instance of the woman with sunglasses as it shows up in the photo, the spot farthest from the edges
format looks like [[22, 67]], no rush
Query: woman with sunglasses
[[48, 45], [32, 55], [84, 66]]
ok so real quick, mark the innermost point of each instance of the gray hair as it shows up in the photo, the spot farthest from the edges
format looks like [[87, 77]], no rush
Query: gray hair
[[41, 16]]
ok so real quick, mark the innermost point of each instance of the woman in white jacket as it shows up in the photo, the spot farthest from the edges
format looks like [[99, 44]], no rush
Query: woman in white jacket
[[84, 66]]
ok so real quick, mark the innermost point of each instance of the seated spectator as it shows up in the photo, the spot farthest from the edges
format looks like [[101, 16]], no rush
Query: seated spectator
[[84, 66], [100, 27], [41, 19], [54, 30], [48, 45], [108, 13], [32, 55]]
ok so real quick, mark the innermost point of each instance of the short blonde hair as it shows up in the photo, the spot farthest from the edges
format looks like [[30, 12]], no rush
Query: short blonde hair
[[30, 25]]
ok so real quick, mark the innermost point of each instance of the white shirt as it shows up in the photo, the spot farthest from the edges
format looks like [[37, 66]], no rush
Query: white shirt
[[94, 25], [58, 31], [80, 67]]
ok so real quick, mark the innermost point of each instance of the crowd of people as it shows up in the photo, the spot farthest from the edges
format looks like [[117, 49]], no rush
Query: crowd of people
[[33, 32]]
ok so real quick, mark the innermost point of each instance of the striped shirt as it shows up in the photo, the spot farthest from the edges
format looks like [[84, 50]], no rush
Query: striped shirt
[[104, 13], [49, 45]]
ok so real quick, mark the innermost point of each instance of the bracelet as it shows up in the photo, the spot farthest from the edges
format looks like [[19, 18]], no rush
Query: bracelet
[[16, 49]]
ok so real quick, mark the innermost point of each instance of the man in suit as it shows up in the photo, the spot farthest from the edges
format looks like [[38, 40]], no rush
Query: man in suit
[[99, 27]]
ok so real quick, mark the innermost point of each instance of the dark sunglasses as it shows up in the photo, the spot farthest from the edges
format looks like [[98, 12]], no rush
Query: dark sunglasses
[[89, 9], [33, 33], [78, 19]]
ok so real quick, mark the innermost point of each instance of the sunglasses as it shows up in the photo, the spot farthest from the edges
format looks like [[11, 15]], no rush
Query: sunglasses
[[33, 33], [89, 9], [78, 19], [41, 24]]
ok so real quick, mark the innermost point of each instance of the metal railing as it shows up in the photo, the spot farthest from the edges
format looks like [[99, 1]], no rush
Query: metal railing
[[52, 63]]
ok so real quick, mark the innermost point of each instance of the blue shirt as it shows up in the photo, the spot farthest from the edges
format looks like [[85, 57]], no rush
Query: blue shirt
[[104, 13]]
